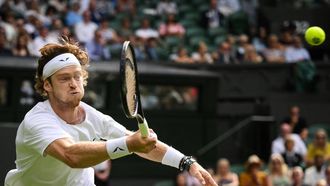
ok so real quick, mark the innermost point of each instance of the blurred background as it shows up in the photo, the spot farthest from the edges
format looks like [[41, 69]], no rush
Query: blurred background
[[231, 82]]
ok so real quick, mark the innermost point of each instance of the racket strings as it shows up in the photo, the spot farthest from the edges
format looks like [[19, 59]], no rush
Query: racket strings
[[131, 88]]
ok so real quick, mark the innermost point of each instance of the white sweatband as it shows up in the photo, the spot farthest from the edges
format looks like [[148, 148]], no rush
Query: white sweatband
[[59, 62], [117, 148], [172, 157]]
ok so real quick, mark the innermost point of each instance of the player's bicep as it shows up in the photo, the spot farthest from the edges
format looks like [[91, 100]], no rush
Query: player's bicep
[[58, 148]]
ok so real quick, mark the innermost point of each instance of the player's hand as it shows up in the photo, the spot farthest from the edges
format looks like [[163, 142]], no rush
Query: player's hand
[[136, 143], [202, 175]]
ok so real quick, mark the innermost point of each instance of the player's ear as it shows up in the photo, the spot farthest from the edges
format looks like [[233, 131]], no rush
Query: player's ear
[[47, 85]]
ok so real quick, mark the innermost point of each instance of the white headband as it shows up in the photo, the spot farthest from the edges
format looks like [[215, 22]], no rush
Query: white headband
[[59, 62]]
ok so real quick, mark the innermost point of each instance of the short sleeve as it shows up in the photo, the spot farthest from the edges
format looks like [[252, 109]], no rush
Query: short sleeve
[[41, 130], [112, 128]]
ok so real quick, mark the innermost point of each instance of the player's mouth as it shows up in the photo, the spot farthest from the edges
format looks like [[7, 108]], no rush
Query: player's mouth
[[74, 93]]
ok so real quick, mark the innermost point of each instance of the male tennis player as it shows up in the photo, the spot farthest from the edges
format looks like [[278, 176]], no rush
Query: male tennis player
[[61, 138]]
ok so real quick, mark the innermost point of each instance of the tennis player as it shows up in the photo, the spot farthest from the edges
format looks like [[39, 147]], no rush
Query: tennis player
[[61, 138]]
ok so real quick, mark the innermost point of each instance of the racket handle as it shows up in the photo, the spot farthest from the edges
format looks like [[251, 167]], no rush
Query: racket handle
[[144, 129]]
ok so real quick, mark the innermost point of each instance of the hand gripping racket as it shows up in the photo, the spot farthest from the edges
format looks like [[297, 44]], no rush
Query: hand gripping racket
[[130, 94]]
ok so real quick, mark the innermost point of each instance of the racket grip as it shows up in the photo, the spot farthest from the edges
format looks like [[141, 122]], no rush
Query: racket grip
[[144, 129]]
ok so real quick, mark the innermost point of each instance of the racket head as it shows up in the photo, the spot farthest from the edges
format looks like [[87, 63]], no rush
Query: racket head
[[129, 82]]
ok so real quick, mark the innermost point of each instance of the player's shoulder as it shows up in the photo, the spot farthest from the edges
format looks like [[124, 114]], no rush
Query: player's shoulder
[[40, 112]]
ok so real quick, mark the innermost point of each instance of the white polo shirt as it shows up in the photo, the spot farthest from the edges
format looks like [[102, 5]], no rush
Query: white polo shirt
[[40, 127]]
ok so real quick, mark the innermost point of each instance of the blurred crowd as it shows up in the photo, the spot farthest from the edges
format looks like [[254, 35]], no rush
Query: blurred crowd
[[295, 160], [217, 32]]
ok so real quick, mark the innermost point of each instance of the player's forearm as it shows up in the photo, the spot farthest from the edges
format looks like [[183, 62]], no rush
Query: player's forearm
[[86, 154], [156, 154]]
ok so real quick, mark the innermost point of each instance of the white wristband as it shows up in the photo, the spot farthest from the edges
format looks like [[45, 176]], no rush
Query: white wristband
[[172, 157], [117, 148]]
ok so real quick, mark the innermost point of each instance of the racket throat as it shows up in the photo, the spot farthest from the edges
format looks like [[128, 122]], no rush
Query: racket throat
[[139, 118]]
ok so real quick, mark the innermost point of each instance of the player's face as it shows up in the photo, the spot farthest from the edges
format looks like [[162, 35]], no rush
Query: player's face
[[66, 87]]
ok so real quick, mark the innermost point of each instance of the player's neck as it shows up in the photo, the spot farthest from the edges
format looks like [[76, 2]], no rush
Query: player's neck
[[71, 115]]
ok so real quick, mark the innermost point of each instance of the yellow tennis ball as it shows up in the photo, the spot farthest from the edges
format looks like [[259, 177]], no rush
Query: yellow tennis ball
[[315, 35]]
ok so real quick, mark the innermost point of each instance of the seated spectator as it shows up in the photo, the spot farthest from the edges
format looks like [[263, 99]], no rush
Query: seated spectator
[[73, 16], [126, 6], [185, 179], [223, 174], [291, 158], [285, 132], [286, 38], [84, 30], [97, 48], [55, 28], [297, 177], [110, 35], [38, 42], [4, 50], [243, 43], [125, 29], [182, 56], [150, 49], [171, 27], [228, 7], [21, 47], [145, 32], [96, 15], [321, 182], [31, 24], [274, 53], [259, 41], [180, 180], [317, 171], [212, 18], [224, 54], [102, 173], [251, 55], [297, 122], [278, 171], [320, 145], [296, 52], [166, 7], [253, 175], [8, 24], [202, 55]]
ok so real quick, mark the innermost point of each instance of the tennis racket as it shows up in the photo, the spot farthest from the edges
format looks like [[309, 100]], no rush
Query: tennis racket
[[130, 94]]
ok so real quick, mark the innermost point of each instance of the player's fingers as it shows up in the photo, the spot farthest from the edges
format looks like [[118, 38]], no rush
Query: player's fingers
[[209, 180], [200, 178]]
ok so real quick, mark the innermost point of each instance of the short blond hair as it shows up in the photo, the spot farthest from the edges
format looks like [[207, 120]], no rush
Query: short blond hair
[[51, 50]]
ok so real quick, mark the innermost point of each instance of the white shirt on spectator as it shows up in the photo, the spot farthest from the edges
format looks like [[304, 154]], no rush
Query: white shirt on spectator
[[293, 54], [228, 7], [165, 7], [146, 33], [312, 176], [38, 43], [299, 146], [85, 31]]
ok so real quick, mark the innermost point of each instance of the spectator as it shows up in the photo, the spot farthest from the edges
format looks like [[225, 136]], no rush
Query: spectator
[[224, 54], [223, 174], [171, 27], [259, 41], [243, 43], [181, 56], [43, 39], [278, 171], [102, 173], [286, 38], [317, 171], [150, 49], [55, 29], [96, 15], [85, 29], [202, 55], [291, 158], [18, 6], [60, 5], [274, 52], [251, 55], [126, 6], [321, 182], [320, 145], [166, 7], [8, 24], [253, 175], [296, 52], [4, 50], [31, 25], [297, 177], [105, 8], [145, 32], [285, 132], [21, 47], [97, 49], [228, 7], [125, 30], [110, 35], [297, 122], [181, 180], [73, 16], [50, 14], [212, 18]]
